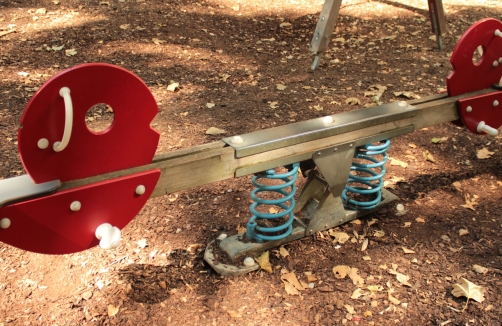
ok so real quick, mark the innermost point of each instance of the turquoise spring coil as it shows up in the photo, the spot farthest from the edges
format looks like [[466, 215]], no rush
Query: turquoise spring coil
[[372, 178], [262, 233]]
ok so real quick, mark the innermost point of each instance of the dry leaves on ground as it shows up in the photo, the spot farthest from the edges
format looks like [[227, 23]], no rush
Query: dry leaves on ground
[[469, 290], [484, 153], [264, 262]]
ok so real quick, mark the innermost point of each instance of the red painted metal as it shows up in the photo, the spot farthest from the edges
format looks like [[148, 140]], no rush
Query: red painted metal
[[482, 110], [466, 76], [47, 225], [128, 142]]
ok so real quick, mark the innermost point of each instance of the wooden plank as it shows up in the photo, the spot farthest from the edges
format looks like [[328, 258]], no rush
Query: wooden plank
[[325, 25], [213, 162]]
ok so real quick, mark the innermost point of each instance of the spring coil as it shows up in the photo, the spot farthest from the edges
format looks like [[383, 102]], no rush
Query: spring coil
[[372, 177], [262, 233]]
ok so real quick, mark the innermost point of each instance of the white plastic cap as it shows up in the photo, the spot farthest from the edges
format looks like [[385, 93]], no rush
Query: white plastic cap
[[75, 206], [43, 143], [483, 127], [249, 261], [108, 235], [140, 190], [4, 223]]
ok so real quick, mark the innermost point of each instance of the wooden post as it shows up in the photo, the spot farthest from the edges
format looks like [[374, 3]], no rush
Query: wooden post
[[438, 20], [324, 29]]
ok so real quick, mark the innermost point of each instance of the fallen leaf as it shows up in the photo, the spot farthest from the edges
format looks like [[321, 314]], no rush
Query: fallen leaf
[[70, 52], [428, 156], [280, 87], [489, 307], [403, 279], [57, 48], [365, 245], [462, 232], [3, 33], [341, 271], [87, 295], [350, 309], [408, 251], [420, 220], [366, 258], [354, 276], [157, 41], [484, 153], [142, 243], [340, 237], [241, 230], [112, 310], [457, 185], [407, 94], [379, 233], [469, 203], [234, 314], [356, 294], [291, 279], [284, 253], [407, 224], [356, 222], [469, 290], [439, 140], [285, 25], [215, 131], [264, 262], [172, 86], [318, 107], [352, 101], [374, 288], [396, 162], [210, 105], [367, 314], [392, 299], [125, 26], [412, 145], [480, 269], [274, 105]]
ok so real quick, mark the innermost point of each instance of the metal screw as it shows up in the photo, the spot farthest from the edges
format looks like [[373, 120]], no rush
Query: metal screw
[[495, 63], [335, 149], [495, 103], [325, 226], [318, 153], [402, 104], [322, 18], [351, 145], [500, 60], [317, 39], [468, 109]]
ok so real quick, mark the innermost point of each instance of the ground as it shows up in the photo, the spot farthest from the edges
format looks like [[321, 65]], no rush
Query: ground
[[228, 57]]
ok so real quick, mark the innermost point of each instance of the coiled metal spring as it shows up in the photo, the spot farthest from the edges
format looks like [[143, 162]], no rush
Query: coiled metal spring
[[366, 179], [262, 233]]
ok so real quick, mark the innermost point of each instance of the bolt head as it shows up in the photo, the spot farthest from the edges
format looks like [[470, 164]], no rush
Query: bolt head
[[495, 63], [328, 119], [468, 109], [237, 140], [495, 103], [402, 104]]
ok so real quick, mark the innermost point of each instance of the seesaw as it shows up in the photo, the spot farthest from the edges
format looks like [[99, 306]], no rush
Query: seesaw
[[83, 187]]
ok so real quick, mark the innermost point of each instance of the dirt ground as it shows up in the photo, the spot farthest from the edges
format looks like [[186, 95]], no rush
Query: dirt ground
[[228, 56]]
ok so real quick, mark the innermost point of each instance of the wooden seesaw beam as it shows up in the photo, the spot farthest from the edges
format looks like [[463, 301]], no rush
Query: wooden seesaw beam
[[208, 163]]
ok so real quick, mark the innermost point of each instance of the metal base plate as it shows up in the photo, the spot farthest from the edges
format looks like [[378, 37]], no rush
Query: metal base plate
[[236, 247]]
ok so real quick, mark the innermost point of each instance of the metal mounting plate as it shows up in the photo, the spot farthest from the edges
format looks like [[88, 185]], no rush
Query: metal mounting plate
[[300, 132]]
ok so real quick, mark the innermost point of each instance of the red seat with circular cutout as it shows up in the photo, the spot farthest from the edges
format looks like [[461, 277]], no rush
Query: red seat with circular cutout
[[128, 142]]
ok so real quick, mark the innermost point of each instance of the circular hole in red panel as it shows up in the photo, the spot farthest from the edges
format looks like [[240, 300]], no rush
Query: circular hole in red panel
[[478, 55], [99, 117]]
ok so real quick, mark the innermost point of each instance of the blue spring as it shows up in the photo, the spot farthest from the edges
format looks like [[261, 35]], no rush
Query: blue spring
[[370, 175], [262, 233]]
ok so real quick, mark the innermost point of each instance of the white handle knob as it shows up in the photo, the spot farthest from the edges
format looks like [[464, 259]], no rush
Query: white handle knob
[[68, 121], [109, 236], [483, 127]]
